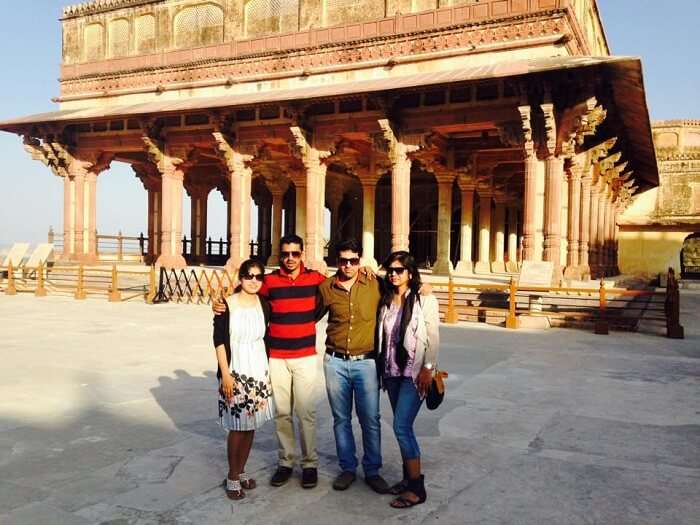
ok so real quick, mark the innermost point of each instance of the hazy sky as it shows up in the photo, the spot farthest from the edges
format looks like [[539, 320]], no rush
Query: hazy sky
[[665, 35]]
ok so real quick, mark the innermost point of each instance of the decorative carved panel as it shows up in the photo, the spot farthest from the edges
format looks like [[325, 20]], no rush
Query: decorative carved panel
[[347, 11], [264, 17], [145, 30], [119, 37], [199, 25], [93, 39]]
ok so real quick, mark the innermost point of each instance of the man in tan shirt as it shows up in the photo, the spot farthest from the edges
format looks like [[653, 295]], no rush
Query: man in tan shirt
[[352, 300]]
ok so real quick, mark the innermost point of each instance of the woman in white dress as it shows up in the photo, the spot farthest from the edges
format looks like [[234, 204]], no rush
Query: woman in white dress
[[245, 394]]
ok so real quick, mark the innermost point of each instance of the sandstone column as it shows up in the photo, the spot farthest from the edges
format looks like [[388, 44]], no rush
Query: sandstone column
[[400, 186], [91, 217], [300, 210], [554, 169], [277, 206], [512, 264], [593, 229], [530, 208], [483, 265], [79, 173], [369, 193], [600, 240], [154, 225], [498, 265], [198, 222], [172, 179], [443, 264], [312, 158], [68, 218], [465, 264], [585, 228], [572, 255]]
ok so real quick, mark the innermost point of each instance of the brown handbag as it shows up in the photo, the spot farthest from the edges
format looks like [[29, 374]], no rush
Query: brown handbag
[[436, 393]]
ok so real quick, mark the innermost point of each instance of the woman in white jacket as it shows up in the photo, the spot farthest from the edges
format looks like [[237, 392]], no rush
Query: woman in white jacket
[[408, 340]]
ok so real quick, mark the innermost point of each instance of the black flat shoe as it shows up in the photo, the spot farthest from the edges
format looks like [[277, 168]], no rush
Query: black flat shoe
[[378, 484], [416, 487], [344, 480], [309, 478], [281, 476]]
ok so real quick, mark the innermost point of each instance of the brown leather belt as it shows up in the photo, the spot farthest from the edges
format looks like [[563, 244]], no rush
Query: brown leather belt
[[349, 357]]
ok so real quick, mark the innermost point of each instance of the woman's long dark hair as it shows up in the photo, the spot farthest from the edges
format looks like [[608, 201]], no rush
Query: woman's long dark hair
[[414, 284]]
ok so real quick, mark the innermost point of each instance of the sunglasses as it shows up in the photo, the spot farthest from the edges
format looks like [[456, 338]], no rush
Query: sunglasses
[[249, 276], [398, 270], [290, 255], [352, 261]]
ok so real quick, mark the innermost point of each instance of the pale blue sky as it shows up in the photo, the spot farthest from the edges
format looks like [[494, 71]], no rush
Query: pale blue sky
[[665, 35]]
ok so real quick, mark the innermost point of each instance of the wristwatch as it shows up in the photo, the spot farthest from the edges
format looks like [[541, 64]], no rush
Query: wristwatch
[[428, 366]]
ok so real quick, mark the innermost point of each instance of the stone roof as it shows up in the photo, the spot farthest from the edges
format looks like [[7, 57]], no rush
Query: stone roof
[[99, 6]]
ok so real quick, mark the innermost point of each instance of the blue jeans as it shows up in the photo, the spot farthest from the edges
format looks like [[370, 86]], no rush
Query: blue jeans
[[405, 402], [345, 379]]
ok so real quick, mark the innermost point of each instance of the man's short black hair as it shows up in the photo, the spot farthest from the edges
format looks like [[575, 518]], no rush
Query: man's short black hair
[[351, 244], [292, 238]]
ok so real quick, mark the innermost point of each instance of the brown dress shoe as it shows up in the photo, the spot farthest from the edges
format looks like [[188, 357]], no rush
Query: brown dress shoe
[[378, 484], [309, 478], [344, 480]]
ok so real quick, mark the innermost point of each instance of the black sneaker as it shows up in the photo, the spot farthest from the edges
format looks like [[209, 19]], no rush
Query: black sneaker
[[344, 480], [309, 478], [281, 476]]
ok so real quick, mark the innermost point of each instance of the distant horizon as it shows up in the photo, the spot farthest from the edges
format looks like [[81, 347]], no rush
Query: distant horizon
[[32, 198]]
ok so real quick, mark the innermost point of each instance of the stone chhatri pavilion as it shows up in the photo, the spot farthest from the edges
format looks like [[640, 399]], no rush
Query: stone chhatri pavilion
[[477, 133]]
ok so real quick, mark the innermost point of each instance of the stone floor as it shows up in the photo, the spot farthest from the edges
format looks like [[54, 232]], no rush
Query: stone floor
[[107, 416]]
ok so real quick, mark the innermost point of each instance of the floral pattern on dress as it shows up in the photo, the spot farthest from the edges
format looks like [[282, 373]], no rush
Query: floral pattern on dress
[[249, 396]]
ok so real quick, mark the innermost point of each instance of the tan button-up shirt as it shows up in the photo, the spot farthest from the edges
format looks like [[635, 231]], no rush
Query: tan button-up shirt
[[352, 319]]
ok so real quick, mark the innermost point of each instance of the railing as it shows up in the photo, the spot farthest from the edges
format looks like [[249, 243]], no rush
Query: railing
[[81, 281], [605, 308]]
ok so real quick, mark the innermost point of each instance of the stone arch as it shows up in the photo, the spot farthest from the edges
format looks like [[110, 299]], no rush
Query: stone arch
[[690, 257], [264, 17], [199, 25], [118, 37], [145, 33], [93, 42]]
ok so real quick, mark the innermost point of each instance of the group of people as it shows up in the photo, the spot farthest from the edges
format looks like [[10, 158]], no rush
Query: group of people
[[381, 334]]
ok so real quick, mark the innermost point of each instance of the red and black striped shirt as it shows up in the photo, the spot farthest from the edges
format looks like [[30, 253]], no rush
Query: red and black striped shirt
[[292, 329]]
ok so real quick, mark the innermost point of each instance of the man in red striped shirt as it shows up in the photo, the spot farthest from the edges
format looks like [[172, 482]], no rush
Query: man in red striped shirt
[[295, 371]]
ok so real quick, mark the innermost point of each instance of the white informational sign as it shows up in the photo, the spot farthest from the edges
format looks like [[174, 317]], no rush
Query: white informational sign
[[16, 254], [536, 273], [40, 254]]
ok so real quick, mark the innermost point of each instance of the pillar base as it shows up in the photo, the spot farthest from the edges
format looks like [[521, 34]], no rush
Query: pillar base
[[319, 266], [498, 267], [370, 262], [557, 276], [442, 267], [585, 271], [482, 267], [171, 261], [572, 273], [86, 258], [464, 268], [512, 267]]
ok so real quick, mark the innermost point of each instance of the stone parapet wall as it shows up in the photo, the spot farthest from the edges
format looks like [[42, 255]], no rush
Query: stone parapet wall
[[91, 29]]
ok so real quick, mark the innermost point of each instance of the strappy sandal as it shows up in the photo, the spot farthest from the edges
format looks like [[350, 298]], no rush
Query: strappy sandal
[[399, 488], [234, 490], [247, 482], [415, 487]]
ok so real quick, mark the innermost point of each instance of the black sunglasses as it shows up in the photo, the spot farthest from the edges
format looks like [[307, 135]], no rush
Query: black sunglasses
[[398, 270], [290, 255], [257, 276], [352, 261]]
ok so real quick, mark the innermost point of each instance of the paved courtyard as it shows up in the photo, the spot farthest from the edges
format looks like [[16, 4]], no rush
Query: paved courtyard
[[107, 416]]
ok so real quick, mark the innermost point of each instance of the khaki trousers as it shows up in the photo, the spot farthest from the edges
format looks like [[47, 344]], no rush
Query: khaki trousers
[[295, 386]]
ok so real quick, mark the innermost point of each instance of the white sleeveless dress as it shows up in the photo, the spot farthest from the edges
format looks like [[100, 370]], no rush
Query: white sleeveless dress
[[252, 403]]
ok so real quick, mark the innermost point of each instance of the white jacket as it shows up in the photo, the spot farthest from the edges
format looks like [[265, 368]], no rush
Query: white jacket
[[425, 326]]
